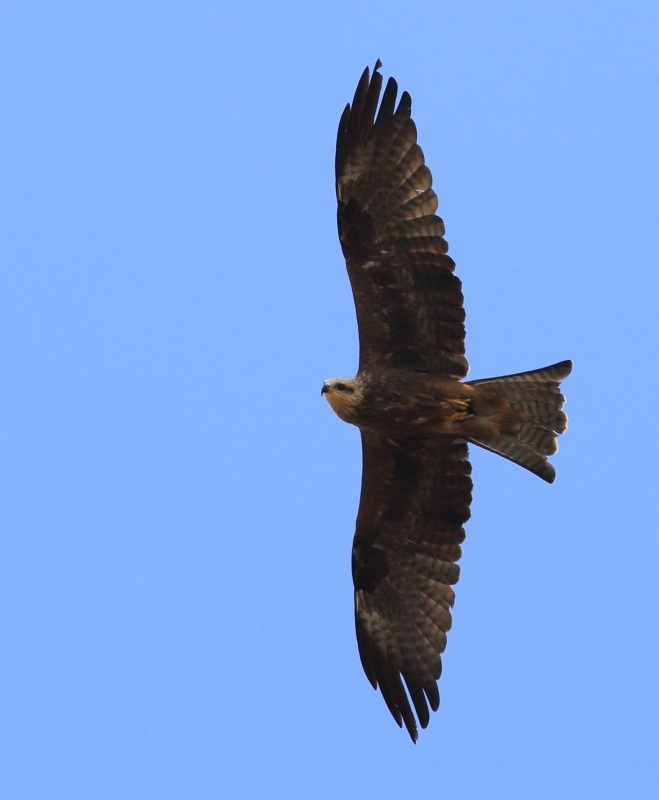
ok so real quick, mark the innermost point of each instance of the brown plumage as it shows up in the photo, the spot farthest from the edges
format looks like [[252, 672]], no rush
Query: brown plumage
[[415, 413]]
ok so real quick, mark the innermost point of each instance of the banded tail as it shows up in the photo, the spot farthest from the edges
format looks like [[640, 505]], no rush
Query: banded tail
[[537, 398]]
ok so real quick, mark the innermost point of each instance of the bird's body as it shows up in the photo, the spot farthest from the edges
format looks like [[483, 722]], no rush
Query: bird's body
[[415, 412], [420, 405]]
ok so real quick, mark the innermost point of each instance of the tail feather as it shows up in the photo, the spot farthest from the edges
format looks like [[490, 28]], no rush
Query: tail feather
[[536, 396]]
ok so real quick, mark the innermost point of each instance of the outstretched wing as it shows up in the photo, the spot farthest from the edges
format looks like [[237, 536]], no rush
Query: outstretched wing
[[414, 501], [408, 301]]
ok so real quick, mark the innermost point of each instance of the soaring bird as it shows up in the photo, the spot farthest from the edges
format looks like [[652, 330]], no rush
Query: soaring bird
[[415, 412]]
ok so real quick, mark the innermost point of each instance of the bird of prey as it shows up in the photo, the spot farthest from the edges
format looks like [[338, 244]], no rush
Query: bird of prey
[[415, 413]]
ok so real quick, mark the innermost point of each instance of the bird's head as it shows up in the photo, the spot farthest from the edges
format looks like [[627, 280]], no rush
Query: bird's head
[[344, 395]]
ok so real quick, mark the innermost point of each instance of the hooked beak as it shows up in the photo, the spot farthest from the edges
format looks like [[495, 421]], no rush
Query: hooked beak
[[325, 389]]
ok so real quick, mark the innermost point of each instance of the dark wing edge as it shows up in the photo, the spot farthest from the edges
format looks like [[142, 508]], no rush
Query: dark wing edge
[[415, 499], [408, 300]]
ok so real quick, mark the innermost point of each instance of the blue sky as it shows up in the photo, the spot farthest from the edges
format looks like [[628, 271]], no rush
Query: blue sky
[[178, 500]]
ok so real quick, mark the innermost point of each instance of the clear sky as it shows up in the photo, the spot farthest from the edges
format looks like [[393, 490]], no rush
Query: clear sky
[[178, 502]]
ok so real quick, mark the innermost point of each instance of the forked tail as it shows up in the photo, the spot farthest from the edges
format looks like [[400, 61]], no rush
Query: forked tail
[[537, 399]]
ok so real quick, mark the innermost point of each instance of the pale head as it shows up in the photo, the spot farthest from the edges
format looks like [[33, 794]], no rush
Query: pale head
[[344, 395]]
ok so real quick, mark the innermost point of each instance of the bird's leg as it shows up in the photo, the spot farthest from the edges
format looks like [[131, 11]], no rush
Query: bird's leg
[[462, 409]]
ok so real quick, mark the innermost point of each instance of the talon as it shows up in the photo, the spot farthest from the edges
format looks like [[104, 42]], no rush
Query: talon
[[459, 404], [462, 410]]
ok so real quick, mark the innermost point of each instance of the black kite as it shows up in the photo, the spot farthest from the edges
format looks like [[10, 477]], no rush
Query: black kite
[[415, 414]]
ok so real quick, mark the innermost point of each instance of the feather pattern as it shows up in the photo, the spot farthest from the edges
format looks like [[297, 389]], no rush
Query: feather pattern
[[409, 302], [537, 396], [415, 501]]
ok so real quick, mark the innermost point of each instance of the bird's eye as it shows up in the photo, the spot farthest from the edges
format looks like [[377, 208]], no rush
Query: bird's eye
[[341, 387]]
